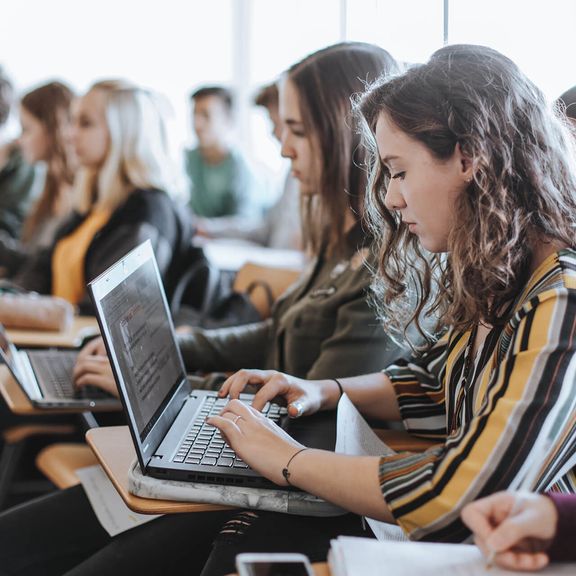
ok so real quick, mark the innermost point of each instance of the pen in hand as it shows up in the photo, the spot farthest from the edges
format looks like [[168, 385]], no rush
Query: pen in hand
[[526, 484], [516, 507]]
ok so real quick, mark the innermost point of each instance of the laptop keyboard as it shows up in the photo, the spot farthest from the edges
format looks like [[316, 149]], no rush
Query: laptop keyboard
[[54, 370], [204, 445]]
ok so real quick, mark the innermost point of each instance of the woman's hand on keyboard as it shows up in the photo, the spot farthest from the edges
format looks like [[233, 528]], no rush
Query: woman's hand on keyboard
[[303, 397], [263, 445], [93, 368]]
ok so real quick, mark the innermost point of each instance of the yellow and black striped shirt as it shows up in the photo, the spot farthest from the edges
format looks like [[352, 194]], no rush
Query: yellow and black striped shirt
[[487, 422]]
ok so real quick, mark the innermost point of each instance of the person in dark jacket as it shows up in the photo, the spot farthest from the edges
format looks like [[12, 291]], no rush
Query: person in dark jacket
[[122, 193], [323, 326]]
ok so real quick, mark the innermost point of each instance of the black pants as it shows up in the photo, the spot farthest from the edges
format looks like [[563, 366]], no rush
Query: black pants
[[59, 534]]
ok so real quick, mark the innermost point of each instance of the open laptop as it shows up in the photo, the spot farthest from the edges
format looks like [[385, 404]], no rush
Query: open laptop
[[165, 414], [45, 377]]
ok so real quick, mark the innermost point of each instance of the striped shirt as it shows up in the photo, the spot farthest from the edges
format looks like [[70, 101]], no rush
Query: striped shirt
[[488, 420]]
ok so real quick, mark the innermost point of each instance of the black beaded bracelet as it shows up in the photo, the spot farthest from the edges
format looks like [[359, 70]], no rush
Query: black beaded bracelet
[[339, 387], [285, 471]]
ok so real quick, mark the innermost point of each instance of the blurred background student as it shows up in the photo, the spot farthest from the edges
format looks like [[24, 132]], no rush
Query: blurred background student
[[122, 194], [16, 176], [280, 227], [222, 184], [45, 117]]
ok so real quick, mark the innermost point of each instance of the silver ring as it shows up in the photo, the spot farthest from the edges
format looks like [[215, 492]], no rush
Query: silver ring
[[237, 418], [299, 409]]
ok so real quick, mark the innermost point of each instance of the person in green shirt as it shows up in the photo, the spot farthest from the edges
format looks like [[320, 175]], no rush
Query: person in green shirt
[[222, 183]]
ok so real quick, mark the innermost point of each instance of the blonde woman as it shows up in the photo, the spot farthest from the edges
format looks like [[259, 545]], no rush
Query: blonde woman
[[119, 138]]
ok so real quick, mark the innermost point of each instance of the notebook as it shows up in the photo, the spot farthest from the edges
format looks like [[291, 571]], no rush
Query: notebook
[[350, 556], [165, 414], [45, 377]]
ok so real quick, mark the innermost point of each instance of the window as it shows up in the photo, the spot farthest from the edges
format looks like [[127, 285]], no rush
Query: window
[[410, 30], [175, 46], [537, 35]]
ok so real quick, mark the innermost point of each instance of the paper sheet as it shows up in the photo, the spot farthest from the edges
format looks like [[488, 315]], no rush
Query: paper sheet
[[356, 438], [354, 556], [114, 516]]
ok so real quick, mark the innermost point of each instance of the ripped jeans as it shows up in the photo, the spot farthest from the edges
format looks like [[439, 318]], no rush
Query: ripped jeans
[[257, 531]]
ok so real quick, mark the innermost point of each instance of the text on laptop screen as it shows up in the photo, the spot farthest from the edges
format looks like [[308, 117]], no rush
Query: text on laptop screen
[[147, 356]]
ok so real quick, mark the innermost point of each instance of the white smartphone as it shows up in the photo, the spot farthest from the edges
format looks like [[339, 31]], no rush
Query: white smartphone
[[263, 564]]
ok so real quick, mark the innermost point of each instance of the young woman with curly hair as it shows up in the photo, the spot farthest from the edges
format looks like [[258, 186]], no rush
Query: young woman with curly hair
[[473, 199]]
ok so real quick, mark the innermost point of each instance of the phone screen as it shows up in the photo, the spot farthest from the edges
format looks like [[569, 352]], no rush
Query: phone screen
[[276, 569]]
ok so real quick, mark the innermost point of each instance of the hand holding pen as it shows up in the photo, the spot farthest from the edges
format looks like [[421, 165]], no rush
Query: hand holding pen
[[513, 529]]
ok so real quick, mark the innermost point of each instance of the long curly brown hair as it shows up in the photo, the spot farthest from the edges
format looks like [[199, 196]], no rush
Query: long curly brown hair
[[523, 191]]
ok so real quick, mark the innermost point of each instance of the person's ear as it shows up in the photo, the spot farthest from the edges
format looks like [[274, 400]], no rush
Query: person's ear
[[466, 167]]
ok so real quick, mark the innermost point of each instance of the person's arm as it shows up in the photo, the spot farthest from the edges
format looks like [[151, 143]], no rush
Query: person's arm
[[562, 548], [491, 427], [226, 349], [349, 481], [372, 394], [375, 395]]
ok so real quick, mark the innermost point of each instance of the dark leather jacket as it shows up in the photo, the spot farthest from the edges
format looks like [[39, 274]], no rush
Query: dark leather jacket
[[146, 214]]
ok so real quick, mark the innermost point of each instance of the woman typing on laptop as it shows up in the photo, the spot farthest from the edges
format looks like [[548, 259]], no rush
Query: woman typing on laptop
[[324, 325], [482, 175], [471, 165], [473, 197]]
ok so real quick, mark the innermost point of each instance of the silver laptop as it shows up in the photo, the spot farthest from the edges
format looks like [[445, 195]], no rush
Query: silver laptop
[[165, 414], [45, 377]]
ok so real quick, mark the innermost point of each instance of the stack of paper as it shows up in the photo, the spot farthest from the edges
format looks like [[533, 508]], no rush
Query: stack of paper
[[366, 557]]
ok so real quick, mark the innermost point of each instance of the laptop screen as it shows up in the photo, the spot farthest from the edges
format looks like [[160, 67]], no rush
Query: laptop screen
[[138, 331]]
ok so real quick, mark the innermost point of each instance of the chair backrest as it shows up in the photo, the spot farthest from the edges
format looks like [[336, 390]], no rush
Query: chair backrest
[[254, 278]]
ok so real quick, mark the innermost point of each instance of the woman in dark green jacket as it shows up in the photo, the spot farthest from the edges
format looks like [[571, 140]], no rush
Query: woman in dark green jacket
[[324, 326]]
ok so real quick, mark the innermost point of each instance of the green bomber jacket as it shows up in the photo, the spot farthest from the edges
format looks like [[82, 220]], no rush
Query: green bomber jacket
[[322, 327]]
